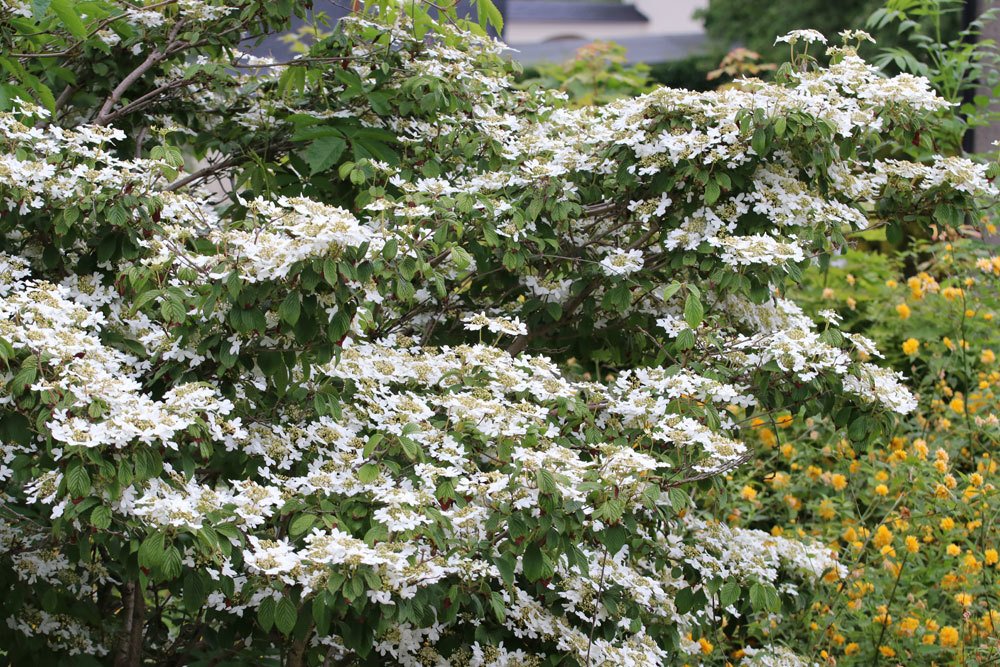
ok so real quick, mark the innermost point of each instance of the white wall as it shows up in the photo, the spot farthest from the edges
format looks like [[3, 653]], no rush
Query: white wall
[[666, 17]]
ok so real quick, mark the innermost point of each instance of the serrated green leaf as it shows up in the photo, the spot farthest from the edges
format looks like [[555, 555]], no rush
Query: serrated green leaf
[[290, 308], [489, 15], [151, 550], [498, 606], [533, 563], [285, 616], [372, 443], [66, 11], [323, 153], [368, 473], [712, 192], [729, 593], [301, 524], [100, 518], [694, 312], [321, 614], [77, 479], [265, 613], [614, 538]]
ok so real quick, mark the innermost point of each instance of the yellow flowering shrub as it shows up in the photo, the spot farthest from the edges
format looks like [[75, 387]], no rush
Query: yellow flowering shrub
[[911, 512]]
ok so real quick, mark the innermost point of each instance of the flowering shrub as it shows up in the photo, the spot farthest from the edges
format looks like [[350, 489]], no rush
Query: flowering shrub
[[413, 366], [913, 514]]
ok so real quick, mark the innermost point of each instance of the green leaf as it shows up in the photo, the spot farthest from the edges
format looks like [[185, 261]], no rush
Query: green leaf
[[285, 615], [323, 153], [729, 594], [614, 538], [712, 192], [77, 479], [172, 310], [301, 524], [671, 290], [368, 473], [694, 312], [171, 564], [290, 308], [265, 613], [390, 249], [66, 11], [759, 142], [100, 518], [506, 565], [39, 8], [489, 15], [321, 614], [151, 550], [194, 592], [764, 597], [546, 483], [685, 600], [498, 606], [372, 443], [411, 448], [533, 563], [678, 498]]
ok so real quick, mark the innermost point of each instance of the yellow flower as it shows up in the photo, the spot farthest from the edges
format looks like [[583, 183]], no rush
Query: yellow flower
[[891, 283], [838, 482], [953, 549], [910, 346], [987, 357], [883, 536], [882, 490], [951, 293], [903, 310], [929, 639], [957, 404], [748, 493], [909, 625], [991, 557], [947, 523], [886, 651], [912, 544], [706, 646], [852, 649], [963, 599], [949, 636], [784, 421]]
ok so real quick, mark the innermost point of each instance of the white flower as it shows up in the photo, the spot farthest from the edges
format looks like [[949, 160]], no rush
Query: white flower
[[808, 36], [620, 262]]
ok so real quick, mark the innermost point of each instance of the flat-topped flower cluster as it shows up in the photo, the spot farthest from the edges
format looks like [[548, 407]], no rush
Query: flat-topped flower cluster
[[437, 402]]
